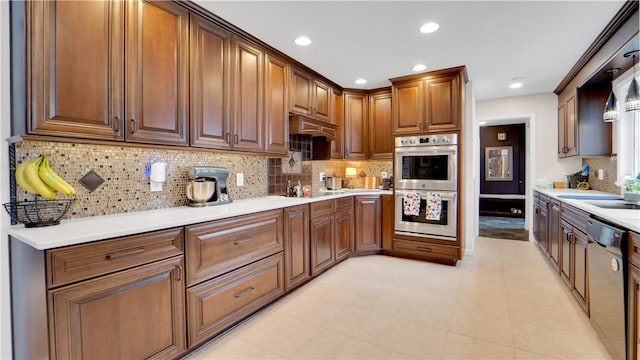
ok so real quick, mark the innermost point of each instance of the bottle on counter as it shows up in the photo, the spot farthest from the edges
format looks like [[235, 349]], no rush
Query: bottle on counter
[[298, 189], [289, 188]]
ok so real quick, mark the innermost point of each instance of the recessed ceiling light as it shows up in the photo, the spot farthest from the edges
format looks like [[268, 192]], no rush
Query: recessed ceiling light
[[303, 41], [515, 85], [361, 81], [419, 67], [429, 28]]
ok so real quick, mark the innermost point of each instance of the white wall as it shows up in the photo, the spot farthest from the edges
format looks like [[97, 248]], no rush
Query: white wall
[[5, 310]]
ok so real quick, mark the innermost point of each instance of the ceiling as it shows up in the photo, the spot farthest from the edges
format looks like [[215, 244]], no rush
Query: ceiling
[[498, 41]]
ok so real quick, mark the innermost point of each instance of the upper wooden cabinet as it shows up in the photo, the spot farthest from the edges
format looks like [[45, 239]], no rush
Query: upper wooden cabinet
[[429, 102], [380, 139], [310, 96], [567, 129], [75, 82], [157, 72], [356, 143], [210, 90], [337, 144], [276, 114]]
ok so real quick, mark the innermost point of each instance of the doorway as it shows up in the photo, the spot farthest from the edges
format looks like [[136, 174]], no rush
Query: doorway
[[503, 163]]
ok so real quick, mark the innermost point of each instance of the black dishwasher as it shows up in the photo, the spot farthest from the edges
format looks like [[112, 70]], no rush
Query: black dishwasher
[[607, 258]]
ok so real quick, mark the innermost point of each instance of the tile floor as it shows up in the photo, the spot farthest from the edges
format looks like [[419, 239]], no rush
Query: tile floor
[[502, 227], [504, 302]]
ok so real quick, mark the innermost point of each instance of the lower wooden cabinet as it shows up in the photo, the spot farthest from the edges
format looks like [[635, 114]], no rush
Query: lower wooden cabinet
[[219, 303], [567, 250], [297, 267], [581, 274], [387, 221], [322, 244], [540, 232], [633, 304], [368, 228], [343, 233], [426, 250], [553, 221], [110, 317]]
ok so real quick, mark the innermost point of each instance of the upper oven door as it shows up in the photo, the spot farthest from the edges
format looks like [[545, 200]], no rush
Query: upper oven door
[[427, 168]]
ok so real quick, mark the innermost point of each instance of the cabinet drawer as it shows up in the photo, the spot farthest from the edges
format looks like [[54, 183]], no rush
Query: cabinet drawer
[[574, 216], [79, 262], [425, 249], [322, 208], [217, 304], [217, 247], [344, 203], [634, 248]]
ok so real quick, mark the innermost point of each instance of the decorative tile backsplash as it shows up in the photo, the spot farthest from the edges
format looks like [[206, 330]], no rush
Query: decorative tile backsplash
[[610, 167], [124, 169]]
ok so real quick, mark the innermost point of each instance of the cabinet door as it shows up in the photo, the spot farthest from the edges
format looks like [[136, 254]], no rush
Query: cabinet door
[[571, 128], [337, 144], [408, 108], [157, 73], [110, 317], [247, 90], [355, 126], [387, 221], [76, 57], [581, 275], [540, 228], [322, 101], [443, 103], [322, 251], [368, 228], [209, 88], [566, 265], [301, 87], [380, 136], [554, 234], [562, 124], [296, 246], [633, 310], [276, 111], [343, 233]]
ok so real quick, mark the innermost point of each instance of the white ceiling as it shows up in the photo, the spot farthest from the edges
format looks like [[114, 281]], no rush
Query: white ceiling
[[538, 41]]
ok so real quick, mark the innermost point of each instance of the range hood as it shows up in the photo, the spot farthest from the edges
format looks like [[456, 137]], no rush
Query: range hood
[[305, 125]]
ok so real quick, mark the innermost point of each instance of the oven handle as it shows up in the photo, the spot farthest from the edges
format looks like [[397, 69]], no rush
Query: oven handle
[[448, 195], [428, 150]]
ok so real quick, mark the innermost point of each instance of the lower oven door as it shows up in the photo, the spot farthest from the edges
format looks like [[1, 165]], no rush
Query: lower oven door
[[445, 227]]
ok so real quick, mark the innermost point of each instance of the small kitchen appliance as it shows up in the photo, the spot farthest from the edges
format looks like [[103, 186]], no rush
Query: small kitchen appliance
[[208, 187], [333, 183]]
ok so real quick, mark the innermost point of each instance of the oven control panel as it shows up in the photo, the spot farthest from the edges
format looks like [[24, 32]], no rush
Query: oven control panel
[[427, 140]]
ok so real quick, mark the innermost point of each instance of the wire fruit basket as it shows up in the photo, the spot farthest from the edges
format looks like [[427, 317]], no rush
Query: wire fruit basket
[[38, 213]]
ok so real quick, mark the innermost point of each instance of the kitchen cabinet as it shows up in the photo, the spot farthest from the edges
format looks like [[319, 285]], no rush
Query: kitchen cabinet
[[567, 263], [210, 91], [157, 73], [297, 269], [553, 220], [567, 131], [310, 96], [344, 228], [276, 114], [633, 304], [540, 232], [247, 81], [337, 143], [356, 129], [387, 221], [381, 143], [428, 102], [581, 274], [368, 232], [332, 232], [322, 244]]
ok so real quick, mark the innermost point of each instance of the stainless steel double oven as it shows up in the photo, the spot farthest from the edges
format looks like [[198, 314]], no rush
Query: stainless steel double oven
[[427, 164]]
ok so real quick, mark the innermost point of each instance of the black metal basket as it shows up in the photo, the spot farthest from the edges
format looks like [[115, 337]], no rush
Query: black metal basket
[[38, 213]]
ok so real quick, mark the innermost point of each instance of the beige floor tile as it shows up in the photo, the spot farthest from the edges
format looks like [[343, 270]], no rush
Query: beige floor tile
[[464, 347], [557, 316], [528, 355], [232, 348], [406, 337], [356, 322], [427, 310], [332, 345], [482, 326]]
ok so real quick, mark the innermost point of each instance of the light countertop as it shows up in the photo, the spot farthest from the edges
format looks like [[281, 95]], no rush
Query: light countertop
[[82, 230], [629, 219]]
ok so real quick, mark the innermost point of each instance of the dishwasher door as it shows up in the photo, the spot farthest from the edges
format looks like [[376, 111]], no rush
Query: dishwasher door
[[607, 279]]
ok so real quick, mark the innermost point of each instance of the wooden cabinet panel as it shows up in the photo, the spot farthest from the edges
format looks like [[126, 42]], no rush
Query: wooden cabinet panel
[[567, 129], [217, 247], [337, 143], [322, 101], [319, 208], [566, 264], [157, 72], [368, 228], [426, 250], [581, 275], [248, 95], [276, 113], [74, 263], [408, 107], [343, 233], [209, 88], [381, 144], [301, 87], [540, 230], [387, 221], [322, 244], [443, 103], [296, 246], [216, 304], [76, 95], [356, 126], [111, 317], [633, 310], [554, 234], [634, 249]]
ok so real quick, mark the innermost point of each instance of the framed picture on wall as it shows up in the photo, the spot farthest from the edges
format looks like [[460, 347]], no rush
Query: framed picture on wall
[[498, 163]]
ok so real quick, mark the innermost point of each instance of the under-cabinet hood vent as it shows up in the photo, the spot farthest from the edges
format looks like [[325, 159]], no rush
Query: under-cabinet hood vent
[[300, 124]]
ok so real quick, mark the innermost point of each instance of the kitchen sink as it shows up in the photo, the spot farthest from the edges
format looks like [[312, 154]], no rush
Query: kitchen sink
[[616, 204], [589, 197]]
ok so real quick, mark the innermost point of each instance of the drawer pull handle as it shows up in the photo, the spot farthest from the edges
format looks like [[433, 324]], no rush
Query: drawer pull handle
[[425, 249], [125, 253], [244, 292], [179, 273], [243, 241]]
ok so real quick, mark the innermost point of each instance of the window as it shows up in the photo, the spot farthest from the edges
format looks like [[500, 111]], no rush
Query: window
[[626, 132]]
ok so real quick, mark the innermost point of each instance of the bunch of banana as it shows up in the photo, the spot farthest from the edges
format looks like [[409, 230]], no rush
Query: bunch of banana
[[36, 177]]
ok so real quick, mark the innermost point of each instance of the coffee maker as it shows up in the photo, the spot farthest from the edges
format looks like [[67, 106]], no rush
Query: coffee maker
[[219, 177]]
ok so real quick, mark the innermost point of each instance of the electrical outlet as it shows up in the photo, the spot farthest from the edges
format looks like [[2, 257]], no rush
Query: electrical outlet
[[385, 175], [322, 176], [239, 179], [600, 173]]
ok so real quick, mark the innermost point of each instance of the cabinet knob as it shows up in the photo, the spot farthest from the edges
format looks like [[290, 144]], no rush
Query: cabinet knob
[[235, 139], [134, 125], [227, 138], [116, 123]]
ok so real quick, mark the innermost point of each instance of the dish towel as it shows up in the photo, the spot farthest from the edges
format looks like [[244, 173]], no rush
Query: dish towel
[[434, 205], [411, 204]]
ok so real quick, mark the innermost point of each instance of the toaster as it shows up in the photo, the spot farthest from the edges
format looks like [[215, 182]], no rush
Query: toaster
[[333, 183]]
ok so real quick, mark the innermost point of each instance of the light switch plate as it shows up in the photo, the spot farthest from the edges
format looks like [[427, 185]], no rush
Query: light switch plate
[[240, 179], [322, 176]]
